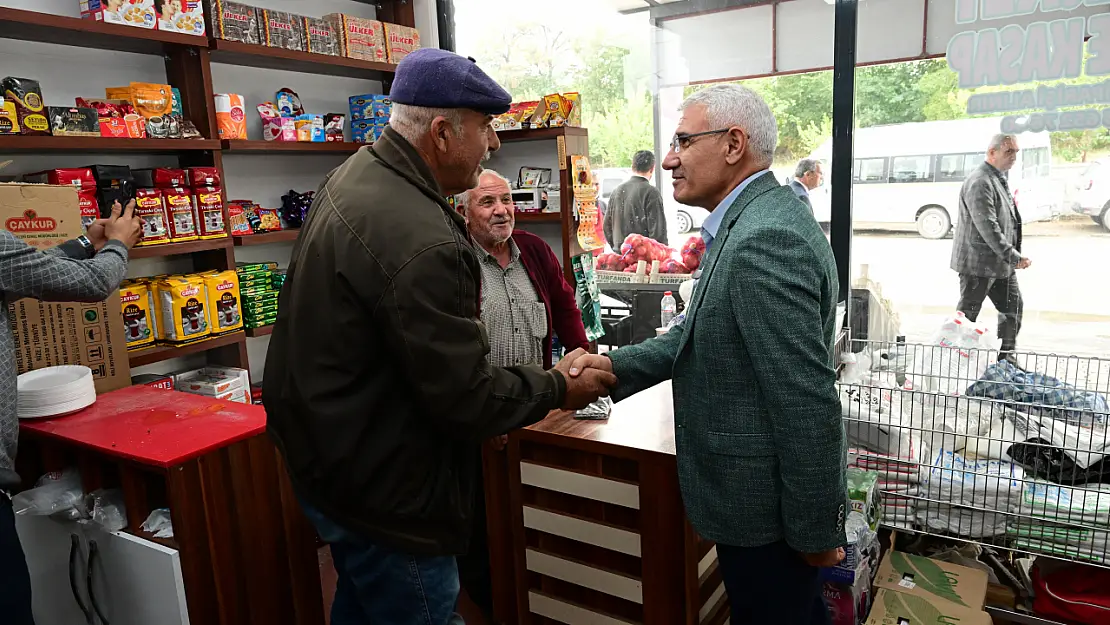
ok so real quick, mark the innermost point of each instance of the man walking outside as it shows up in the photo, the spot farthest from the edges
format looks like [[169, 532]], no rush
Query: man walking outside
[[987, 249], [807, 177], [758, 432], [378, 388], [636, 207]]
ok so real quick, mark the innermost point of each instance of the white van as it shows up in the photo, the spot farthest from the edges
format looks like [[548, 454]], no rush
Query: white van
[[912, 173]]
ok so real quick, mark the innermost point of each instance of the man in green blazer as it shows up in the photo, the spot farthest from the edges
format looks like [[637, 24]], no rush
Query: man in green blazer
[[761, 447]]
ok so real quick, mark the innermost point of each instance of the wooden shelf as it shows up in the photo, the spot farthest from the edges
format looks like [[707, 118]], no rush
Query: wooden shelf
[[538, 218], [176, 249], [538, 134], [158, 353], [255, 333], [290, 147], [46, 143], [248, 55], [71, 31], [265, 238]]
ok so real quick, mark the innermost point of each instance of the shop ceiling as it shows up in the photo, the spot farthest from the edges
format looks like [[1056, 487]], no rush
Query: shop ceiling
[[700, 41]]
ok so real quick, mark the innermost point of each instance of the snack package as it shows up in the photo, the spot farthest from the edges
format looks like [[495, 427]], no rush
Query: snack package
[[204, 177], [400, 41], [269, 220], [362, 106], [138, 314], [304, 127], [73, 121], [271, 121], [154, 103], [360, 38], [235, 21], [182, 217], [177, 108], [322, 37], [151, 208], [288, 129], [9, 117], [525, 112], [110, 115], [231, 116], [333, 127], [572, 111], [182, 308], [283, 30], [289, 103], [237, 214], [180, 16], [209, 204], [223, 301], [553, 105], [26, 95], [138, 13], [367, 131]]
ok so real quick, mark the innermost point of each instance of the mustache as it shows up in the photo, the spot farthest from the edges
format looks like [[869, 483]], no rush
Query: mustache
[[497, 221], [487, 156]]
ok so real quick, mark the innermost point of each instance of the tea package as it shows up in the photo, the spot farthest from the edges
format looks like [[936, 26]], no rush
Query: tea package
[[223, 301], [182, 308]]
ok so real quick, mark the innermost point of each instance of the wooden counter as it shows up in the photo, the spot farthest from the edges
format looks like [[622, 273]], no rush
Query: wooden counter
[[586, 524]]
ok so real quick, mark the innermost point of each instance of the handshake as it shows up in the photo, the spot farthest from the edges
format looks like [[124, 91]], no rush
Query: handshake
[[588, 376]]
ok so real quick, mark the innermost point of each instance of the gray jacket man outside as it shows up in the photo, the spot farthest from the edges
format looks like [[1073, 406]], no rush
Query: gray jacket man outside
[[986, 249], [636, 207], [807, 177]]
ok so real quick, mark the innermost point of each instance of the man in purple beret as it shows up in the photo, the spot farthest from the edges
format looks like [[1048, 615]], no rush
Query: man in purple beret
[[378, 386]]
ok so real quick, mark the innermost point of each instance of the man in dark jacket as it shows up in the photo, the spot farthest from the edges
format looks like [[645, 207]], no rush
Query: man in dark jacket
[[378, 387], [525, 299], [636, 207]]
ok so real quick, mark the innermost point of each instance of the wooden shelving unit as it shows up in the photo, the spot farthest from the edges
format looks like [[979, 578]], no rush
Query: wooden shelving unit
[[71, 31], [265, 238], [178, 249], [248, 55], [538, 218], [255, 333], [159, 353], [103, 145], [539, 134], [290, 147]]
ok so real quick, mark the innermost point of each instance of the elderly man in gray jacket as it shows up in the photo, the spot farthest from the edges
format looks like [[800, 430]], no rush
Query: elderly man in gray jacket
[[987, 247]]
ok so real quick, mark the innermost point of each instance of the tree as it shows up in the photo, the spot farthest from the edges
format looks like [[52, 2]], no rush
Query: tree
[[615, 137]]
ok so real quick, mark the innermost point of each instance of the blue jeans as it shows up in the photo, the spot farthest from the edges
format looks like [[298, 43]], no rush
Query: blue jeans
[[380, 586]]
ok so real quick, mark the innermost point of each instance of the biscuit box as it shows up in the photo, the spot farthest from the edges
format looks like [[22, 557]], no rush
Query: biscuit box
[[400, 41], [360, 38], [180, 16], [322, 37], [138, 13], [283, 30], [235, 21], [940, 583], [894, 608]]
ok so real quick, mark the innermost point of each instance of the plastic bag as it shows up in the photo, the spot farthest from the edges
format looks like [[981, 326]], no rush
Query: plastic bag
[[106, 509], [159, 523], [55, 494]]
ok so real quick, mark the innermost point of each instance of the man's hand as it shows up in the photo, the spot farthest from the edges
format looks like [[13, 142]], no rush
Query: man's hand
[[123, 225], [1024, 263], [825, 559], [499, 442], [590, 361], [584, 386]]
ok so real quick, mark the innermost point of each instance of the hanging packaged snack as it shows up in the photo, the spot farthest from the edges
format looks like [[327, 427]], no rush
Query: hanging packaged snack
[[268, 220], [9, 117], [289, 103], [182, 308], [271, 121], [283, 30], [182, 217], [138, 317], [401, 41], [180, 16], [235, 21], [26, 95], [333, 127], [204, 177], [151, 208], [231, 116], [322, 37], [223, 301], [138, 13], [73, 121], [360, 38], [210, 211]]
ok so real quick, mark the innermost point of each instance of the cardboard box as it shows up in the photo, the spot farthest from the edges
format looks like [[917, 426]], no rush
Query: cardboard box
[[896, 608], [400, 41], [48, 334], [940, 583]]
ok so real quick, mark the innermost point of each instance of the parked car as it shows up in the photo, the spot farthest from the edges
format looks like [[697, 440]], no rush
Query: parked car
[[682, 218], [610, 178], [1089, 193]]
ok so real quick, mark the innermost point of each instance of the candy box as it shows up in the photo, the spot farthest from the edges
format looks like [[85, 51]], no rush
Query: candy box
[[367, 130], [235, 21], [333, 126], [69, 121], [370, 106], [138, 13], [180, 16]]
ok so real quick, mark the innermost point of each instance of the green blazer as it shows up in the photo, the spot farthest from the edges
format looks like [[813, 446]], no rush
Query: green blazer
[[758, 431]]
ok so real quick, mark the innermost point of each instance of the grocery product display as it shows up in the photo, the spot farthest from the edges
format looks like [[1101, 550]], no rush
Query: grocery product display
[[369, 117], [259, 287], [553, 111], [138, 13], [227, 383]]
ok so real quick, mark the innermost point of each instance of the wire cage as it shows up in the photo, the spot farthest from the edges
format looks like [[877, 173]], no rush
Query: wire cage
[[1012, 453]]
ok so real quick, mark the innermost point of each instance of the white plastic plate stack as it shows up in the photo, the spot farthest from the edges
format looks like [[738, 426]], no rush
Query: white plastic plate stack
[[55, 391]]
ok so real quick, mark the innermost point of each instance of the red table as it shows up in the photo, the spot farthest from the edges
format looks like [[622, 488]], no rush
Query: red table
[[248, 555]]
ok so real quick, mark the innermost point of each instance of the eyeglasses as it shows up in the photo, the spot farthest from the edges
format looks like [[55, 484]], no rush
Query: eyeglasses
[[681, 142]]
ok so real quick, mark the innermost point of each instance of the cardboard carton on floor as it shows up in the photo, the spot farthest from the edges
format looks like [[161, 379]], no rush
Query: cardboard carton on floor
[[61, 333], [941, 583], [895, 608]]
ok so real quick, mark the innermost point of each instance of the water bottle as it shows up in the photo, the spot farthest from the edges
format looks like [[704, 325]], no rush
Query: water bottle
[[667, 309]]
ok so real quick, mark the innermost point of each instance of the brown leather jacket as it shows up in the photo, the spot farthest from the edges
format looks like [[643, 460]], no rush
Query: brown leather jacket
[[378, 386]]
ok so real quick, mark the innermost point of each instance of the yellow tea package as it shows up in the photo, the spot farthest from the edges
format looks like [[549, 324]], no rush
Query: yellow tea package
[[138, 314], [223, 301], [182, 308]]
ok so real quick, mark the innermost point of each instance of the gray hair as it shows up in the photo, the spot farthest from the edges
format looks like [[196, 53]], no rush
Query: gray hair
[[733, 105], [412, 122], [1000, 138], [805, 166], [462, 200]]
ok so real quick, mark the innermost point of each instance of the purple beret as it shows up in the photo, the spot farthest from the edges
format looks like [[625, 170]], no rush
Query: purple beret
[[435, 78]]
